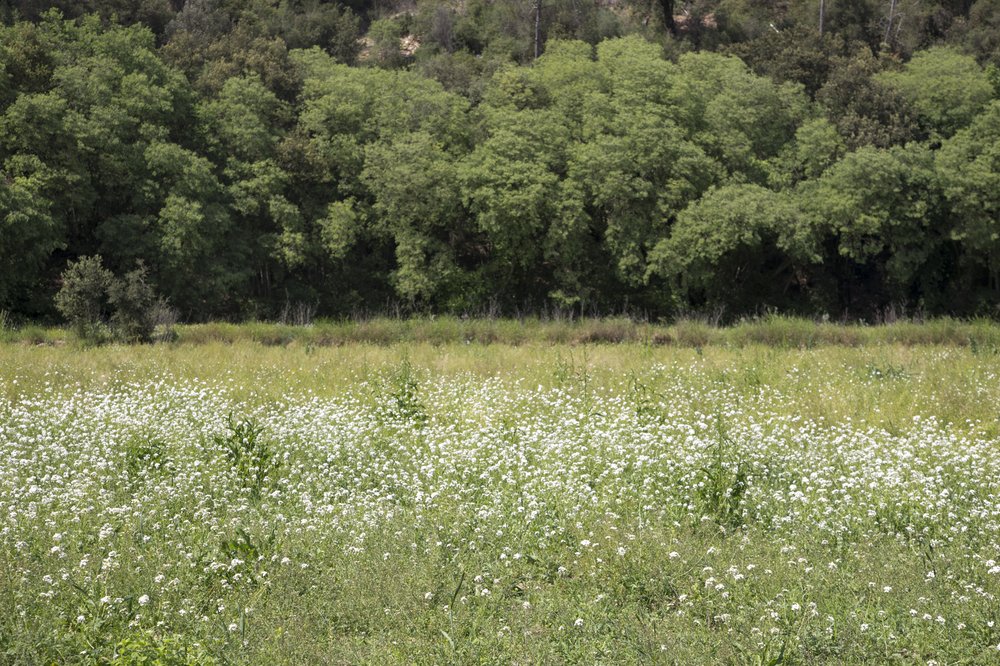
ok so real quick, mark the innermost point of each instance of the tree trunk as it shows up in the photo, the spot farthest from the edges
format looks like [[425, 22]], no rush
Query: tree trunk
[[892, 17], [667, 6], [538, 28]]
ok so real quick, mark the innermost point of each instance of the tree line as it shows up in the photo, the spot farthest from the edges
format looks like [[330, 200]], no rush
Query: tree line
[[662, 157]]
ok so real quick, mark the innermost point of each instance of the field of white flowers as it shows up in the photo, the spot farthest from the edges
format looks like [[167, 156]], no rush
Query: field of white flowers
[[677, 508]]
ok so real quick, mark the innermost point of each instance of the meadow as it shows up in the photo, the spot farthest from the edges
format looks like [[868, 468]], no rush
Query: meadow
[[233, 502]]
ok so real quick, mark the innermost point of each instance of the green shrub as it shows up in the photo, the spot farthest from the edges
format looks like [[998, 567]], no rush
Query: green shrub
[[133, 302], [98, 305], [83, 297]]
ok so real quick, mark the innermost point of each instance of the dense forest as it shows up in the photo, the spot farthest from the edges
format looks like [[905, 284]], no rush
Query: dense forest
[[831, 157]]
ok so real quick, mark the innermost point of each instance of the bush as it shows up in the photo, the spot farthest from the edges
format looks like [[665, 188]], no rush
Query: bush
[[83, 297], [99, 305], [134, 303]]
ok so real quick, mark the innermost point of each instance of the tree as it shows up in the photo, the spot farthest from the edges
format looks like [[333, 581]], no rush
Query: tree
[[511, 181], [92, 106], [866, 111], [739, 119], [816, 147], [244, 121], [245, 50], [635, 166], [740, 246], [417, 205], [969, 169], [946, 89], [306, 23], [883, 209], [795, 54], [385, 35], [29, 232], [193, 231], [352, 120], [667, 15], [979, 33], [344, 108], [97, 304], [204, 20]]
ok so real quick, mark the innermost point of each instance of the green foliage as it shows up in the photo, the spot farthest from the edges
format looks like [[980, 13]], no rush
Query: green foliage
[[969, 169], [233, 148], [817, 146], [244, 120], [29, 232], [993, 76], [741, 245], [865, 111], [418, 207], [243, 51], [723, 488], [98, 305], [460, 72], [635, 167], [403, 394], [305, 23], [946, 88], [151, 649], [979, 33], [740, 119], [83, 297], [254, 460], [385, 35], [795, 54], [510, 184], [133, 302], [340, 228], [882, 206]]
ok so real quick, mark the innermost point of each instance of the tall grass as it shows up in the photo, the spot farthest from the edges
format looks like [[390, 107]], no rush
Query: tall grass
[[886, 384], [772, 331]]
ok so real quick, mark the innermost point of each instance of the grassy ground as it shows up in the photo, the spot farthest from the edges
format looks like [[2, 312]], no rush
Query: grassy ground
[[436, 502]]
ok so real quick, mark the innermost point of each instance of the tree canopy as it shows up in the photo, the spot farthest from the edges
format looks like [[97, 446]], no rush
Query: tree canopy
[[359, 156]]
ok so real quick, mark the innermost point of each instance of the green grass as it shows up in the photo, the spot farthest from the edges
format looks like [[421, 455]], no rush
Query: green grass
[[774, 331], [882, 384], [751, 499]]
